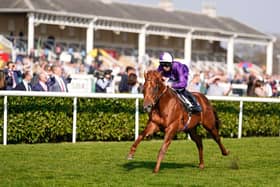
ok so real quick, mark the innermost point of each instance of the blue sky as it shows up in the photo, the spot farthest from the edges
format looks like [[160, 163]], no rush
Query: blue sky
[[262, 15]]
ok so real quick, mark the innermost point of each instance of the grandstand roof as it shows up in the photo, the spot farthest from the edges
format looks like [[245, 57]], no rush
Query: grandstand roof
[[134, 13]]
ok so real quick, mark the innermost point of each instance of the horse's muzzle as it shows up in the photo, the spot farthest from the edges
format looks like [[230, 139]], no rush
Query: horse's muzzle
[[148, 108]]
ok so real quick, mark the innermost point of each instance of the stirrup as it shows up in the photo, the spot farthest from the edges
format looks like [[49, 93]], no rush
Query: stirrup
[[189, 119], [195, 109], [187, 107]]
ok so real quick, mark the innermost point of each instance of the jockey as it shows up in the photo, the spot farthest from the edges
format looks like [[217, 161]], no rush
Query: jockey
[[176, 77]]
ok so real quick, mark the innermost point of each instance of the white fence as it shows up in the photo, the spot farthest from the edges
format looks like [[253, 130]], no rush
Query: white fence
[[121, 96]]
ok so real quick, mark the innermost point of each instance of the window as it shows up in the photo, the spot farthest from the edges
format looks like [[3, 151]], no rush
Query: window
[[71, 31], [43, 29], [11, 25]]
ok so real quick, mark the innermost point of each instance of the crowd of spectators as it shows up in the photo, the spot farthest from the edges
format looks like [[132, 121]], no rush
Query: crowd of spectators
[[39, 74], [248, 84], [28, 75], [31, 73]]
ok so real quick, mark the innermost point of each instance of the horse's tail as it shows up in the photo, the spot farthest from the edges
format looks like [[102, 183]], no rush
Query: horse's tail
[[217, 120]]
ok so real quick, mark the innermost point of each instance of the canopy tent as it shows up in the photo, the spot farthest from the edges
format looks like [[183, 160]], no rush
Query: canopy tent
[[95, 52], [245, 64], [6, 50], [102, 57], [5, 45]]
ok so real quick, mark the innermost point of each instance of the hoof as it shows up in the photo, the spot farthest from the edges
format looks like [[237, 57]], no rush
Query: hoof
[[155, 171], [129, 157], [226, 153], [201, 166]]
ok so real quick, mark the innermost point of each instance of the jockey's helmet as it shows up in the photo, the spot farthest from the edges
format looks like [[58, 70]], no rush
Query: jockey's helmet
[[166, 59]]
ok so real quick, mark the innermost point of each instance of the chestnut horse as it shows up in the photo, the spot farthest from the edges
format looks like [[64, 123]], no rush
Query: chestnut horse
[[167, 113]]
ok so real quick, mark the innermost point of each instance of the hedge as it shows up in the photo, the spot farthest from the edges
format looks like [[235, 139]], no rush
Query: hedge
[[47, 119]]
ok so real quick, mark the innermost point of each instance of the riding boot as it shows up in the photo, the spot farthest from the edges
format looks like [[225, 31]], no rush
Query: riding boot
[[194, 107]]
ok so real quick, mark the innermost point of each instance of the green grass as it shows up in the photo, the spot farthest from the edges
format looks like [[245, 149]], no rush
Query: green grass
[[252, 162]]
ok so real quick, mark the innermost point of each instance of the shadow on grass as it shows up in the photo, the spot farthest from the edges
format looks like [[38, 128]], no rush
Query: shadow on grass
[[131, 165]]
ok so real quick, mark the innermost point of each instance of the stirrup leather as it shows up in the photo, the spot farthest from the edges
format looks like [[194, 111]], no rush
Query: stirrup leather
[[188, 122], [187, 104]]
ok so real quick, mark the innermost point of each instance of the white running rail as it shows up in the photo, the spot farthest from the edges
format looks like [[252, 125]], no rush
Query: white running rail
[[6, 94]]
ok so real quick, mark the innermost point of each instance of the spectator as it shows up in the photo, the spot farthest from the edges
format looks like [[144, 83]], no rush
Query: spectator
[[58, 50], [92, 68], [82, 69], [274, 89], [21, 41], [12, 77], [259, 89], [195, 84], [104, 82], [25, 84], [237, 80], [98, 58], [123, 85], [202, 77], [2, 80], [48, 69], [42, 83], [268, 85], [12, 37], [250, 85], [133, 84], [216, 88], [58, 82]]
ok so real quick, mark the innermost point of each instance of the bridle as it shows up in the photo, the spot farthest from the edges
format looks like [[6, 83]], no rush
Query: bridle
[[156, 91]]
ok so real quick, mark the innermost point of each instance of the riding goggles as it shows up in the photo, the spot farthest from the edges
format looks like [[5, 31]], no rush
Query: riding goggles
[[165, 64]]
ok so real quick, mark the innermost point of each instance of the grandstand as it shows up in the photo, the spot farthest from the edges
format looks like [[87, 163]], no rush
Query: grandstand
[[129, 30]]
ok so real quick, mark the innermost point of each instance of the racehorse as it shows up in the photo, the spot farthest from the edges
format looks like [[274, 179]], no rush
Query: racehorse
[[168, 114]]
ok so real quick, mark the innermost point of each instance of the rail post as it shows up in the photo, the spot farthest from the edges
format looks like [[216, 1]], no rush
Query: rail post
[[240, 119], [74, 120], [5, 120], [136, 118]]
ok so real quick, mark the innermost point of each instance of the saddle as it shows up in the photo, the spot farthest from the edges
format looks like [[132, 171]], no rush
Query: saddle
[[184, 101]]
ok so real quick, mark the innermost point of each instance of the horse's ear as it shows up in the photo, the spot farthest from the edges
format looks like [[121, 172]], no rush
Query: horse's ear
[[145, 74], [161, 75]]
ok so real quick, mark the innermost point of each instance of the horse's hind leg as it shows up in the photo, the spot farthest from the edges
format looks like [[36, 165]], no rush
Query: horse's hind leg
[[198, 140], [149, 130], [215, 134]]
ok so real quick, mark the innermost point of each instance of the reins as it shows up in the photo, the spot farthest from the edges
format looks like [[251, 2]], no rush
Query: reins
[[158, 97], [157, 90]]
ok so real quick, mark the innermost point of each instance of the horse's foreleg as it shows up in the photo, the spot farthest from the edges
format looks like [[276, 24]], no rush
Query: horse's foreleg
[[149, 130], [167, 140], [198, 140]]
